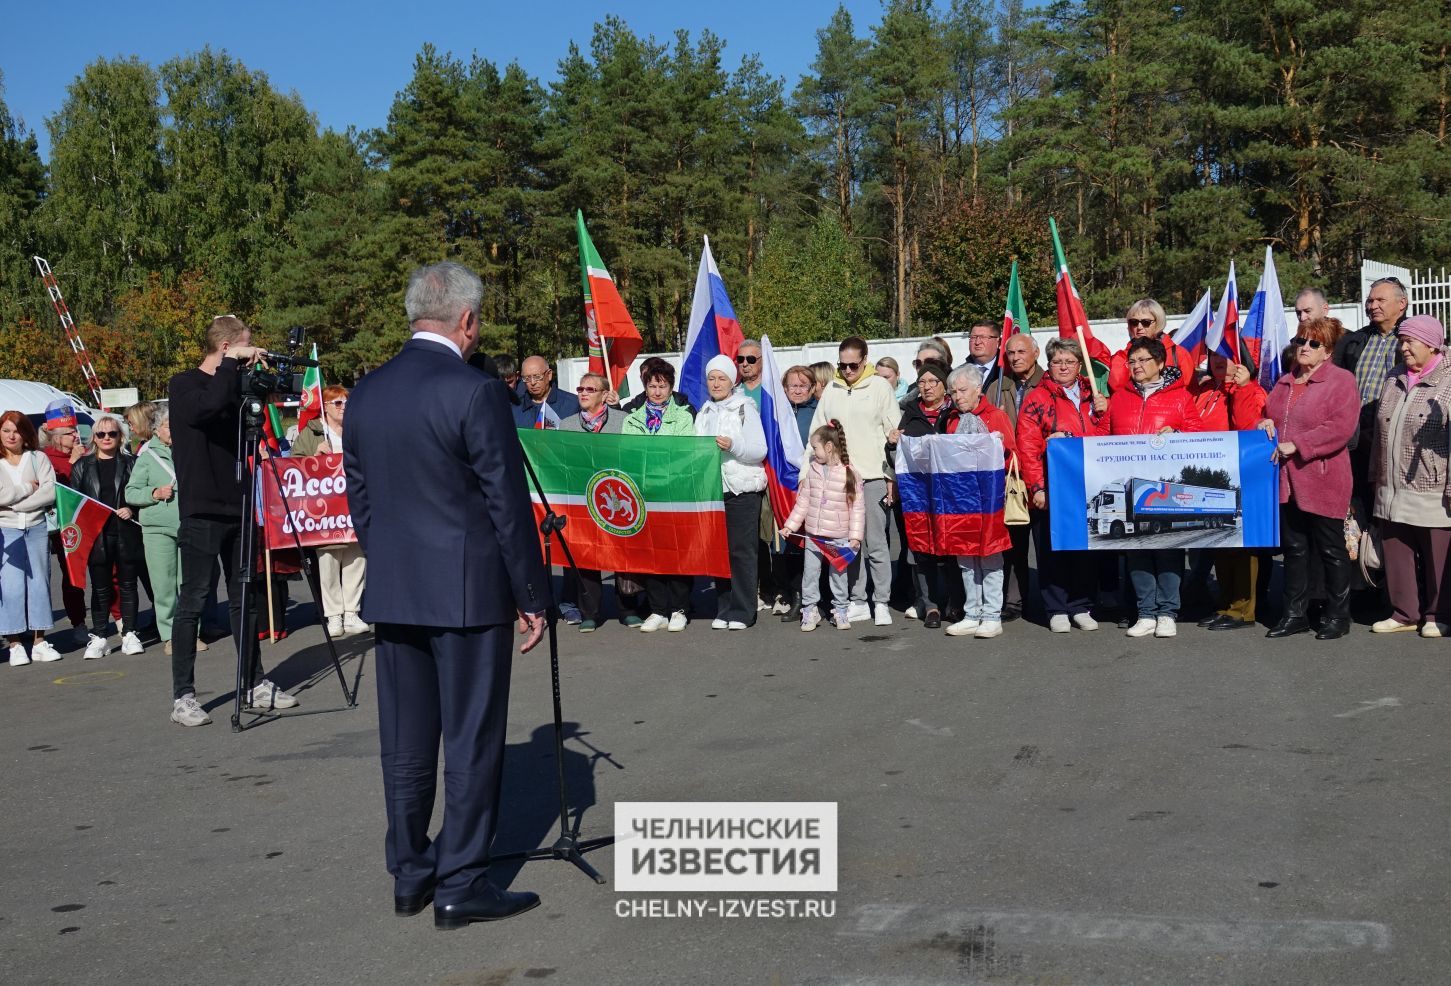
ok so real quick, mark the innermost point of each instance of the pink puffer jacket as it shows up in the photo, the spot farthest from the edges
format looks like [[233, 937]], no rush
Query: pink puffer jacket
[[821, 506]]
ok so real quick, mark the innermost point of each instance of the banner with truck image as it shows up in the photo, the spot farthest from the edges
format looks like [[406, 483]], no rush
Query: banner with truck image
[[1215, 489]]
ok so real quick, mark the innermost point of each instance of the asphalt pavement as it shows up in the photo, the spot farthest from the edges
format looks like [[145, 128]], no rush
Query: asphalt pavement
[[1074, 810]]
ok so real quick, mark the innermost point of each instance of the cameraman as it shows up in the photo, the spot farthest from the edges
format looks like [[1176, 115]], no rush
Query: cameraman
[[205, 429]]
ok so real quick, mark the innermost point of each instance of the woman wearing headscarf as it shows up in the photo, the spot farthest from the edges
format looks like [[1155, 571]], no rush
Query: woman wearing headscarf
[[1412, 473], [731, 418]]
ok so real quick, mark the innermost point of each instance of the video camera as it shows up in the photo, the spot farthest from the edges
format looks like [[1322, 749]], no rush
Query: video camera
[[276, 374]]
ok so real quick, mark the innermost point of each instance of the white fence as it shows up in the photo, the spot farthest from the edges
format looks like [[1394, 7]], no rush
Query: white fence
[[1430, 292]]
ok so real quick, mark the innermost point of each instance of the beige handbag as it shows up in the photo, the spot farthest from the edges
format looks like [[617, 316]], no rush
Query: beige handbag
[[1015, 498]]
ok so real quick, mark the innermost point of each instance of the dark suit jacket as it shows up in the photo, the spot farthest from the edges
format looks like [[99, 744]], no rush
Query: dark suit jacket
[[437, 490]]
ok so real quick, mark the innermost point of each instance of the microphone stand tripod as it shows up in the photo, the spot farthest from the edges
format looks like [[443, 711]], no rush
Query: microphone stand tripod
[[569, 846]]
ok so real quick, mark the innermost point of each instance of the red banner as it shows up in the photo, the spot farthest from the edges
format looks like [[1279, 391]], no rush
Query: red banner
[[317, 494]]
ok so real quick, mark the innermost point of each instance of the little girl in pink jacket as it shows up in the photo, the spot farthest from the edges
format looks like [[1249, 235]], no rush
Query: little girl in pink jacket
[[831, 510]]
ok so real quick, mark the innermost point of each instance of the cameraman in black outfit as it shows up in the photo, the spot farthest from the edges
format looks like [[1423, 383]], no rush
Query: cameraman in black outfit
[[205, 429]]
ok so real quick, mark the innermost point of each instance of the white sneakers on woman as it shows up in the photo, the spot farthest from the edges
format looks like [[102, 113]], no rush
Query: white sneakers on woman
[[654, 622], [44, 653], [131, 644], [96, 648], [18, 657], [1145, 626]]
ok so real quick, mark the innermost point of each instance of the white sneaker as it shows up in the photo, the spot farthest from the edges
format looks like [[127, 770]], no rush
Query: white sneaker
[[352, 623], [1058, 623], [335, 626], [762, 606], [678, 620], [858, 612], [44, 653], [810, 619], [964, 628], [781, 608], [1166, 627], [186, 712], [1084, 622], [18, 657], [1142, 628], [911, 613], [881, 615], [989, 628], [96, 647], [569, 612], [654, 622], [1391, 625], [265, 695], [736, 625], [719, 624], [1429, 630], [131, 644]]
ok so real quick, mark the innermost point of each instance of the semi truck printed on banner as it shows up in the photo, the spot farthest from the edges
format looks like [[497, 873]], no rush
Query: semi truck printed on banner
[[1148, 506], [1199, 490]]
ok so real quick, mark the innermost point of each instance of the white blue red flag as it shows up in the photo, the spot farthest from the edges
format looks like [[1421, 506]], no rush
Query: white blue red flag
[[783, 438], [836, 551], [1224, 336], [714, 330], [1266, 333], [952, 493], [1193, 333]]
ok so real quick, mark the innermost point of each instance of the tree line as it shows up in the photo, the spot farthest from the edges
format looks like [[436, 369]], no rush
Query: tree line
[[885, 193]]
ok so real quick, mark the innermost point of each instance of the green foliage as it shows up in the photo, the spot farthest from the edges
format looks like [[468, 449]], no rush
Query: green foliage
[[969, 259], [813, 288], [1214, 479]]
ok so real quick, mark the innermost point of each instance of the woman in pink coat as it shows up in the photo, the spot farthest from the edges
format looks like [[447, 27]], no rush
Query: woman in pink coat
[[830, 506], [1312, 413]]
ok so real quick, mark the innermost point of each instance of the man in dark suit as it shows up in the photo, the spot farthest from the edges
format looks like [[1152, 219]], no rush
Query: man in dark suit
[[436, 486]]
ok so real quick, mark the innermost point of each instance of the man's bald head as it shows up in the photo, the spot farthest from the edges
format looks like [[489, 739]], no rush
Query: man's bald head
[[537, 377], [1021, 352]]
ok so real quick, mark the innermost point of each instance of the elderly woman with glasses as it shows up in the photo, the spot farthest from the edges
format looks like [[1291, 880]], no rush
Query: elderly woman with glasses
[[103, 475], [595, 417], [1312, 413], [1146, 320], [1412, 476]]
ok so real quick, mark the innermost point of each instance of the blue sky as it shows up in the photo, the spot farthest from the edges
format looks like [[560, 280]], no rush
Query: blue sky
[[348, 60]]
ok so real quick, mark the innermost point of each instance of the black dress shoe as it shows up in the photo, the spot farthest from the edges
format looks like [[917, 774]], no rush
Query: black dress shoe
[[933, 620], [490, 904], [1229, 623], [1333, 630], [1210, 619], [407, 905], [1290, 626]]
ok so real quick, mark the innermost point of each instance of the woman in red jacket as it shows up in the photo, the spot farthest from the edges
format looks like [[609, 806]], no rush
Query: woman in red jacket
[[1158, 401], [1229, 399], [1061, 406]]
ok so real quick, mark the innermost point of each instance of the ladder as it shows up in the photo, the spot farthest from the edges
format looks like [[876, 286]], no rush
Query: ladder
[[72, 334]]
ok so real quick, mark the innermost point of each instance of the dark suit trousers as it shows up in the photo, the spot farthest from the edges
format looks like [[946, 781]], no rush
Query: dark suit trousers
[[452, 685]]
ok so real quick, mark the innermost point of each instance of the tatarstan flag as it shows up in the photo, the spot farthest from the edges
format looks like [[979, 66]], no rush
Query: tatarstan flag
[[311, 405], [634, 503], [1072, 319], [1015, 320], [79, 520], [612, 336]]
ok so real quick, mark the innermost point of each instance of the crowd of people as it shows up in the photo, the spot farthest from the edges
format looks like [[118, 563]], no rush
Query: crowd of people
[[1359, 424]]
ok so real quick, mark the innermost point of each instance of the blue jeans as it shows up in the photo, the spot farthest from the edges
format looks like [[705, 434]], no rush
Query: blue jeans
[[25, 581], [1155, 574], [982, 580]]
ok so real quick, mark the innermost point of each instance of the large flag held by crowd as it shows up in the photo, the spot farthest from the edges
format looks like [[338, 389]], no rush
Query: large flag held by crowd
[[613, 340], [636, 503], [714, 329], [952, 493]]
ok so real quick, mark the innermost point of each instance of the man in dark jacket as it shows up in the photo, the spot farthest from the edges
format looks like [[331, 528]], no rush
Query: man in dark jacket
[[1021, 373], [543, 405]]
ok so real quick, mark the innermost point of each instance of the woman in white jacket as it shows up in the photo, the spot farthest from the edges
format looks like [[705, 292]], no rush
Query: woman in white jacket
[[732, 419], [27, 491]]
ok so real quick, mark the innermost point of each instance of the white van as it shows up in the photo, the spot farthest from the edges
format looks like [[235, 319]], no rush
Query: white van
[[30, 399]]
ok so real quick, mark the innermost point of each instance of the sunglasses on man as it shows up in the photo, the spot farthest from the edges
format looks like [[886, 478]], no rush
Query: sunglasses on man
[[747, 360]]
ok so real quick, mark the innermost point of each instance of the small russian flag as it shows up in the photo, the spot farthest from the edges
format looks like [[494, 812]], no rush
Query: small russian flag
[[837, 553]]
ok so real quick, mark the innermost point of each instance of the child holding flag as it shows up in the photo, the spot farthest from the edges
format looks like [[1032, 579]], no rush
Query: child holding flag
[[831, 507]]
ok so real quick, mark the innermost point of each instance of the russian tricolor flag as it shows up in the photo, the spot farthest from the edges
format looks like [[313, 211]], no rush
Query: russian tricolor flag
[[952, 493], [838, 555], [1193, 333], [1224, 335], [1266, 333], [714, 330], [784, 450]]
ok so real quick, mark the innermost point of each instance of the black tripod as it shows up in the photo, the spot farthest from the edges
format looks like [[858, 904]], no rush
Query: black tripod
[[568, 847], [252, 411]]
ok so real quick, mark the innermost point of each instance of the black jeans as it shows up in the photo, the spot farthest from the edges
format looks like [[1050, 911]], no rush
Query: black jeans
[[99, 572], [201, 541], [736, 596], [1065, 578], [1303, 536], [668, 594], [1015, 569]]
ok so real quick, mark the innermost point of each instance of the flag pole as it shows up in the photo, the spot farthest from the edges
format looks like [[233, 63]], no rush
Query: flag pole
[[271, 619], [1087, 363]]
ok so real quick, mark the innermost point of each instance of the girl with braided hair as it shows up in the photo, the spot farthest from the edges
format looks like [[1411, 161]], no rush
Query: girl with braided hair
[[830, 506]]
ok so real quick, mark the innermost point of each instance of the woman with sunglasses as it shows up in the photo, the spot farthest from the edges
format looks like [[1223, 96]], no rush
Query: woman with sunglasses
[[1312, 413], [27, 490], [102, 475], [342, 571], [1146, 320], [595, 417]]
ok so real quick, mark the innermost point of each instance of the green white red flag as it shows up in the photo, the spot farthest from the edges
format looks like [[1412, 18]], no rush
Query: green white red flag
[[1072, 320], [79, 520], [311, 406], [613, 338], [634, 503]]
